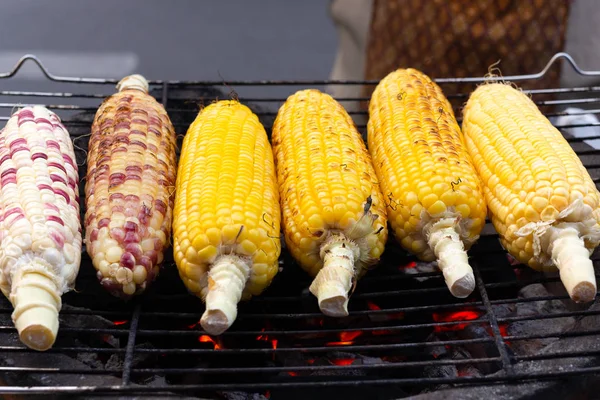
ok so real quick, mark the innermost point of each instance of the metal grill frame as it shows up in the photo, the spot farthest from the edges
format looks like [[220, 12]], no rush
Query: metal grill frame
[[133, 332]]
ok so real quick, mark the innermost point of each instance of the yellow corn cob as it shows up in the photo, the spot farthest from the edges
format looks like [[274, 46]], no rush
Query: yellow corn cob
[[227, 216], [542, 200], [129, 189], [333, 210], [40, 230], [434, 197]]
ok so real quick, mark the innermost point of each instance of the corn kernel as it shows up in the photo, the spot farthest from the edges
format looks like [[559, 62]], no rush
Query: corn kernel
[[208, 253], [437, 208]]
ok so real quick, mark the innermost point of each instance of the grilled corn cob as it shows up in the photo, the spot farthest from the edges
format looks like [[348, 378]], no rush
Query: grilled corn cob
[[227, 217], [434, 197], [129, 189], [40, 230], [542, 200], [333, 210]]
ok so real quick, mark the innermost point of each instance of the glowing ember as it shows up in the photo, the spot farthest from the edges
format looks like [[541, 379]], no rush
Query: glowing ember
[[346, 338], [208, 339], [292, 373], [381, 332], [192, 326], [120, 322], [268, 394], [410, 265], [503, 330], [373, 306], [343, 361], [266, 338], [349, 336], [465, 315], [399, 315], [338, 343]]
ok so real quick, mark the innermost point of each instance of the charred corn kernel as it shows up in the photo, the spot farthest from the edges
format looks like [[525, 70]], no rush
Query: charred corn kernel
[[542, 200], [331, 202], [40, 229], [226, 164], [432, 189], [130, 186]]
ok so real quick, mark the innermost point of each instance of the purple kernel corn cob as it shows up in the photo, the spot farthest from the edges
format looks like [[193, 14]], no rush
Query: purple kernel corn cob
[[129, 188], [40, 229]]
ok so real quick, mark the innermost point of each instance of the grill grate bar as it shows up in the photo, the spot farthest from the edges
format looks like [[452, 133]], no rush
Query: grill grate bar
[[383, 365], [391, 328], [498, 340], [401, 337], [395, 365], [588, 332], [135, 318], [190, 332], [159, 390], [320, 315], [384, 311], [321, 349], [358, 348], [550, 316], [58, 349], [51, 94]]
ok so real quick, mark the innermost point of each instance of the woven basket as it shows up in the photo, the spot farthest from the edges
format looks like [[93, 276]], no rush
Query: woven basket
[[460, 38]]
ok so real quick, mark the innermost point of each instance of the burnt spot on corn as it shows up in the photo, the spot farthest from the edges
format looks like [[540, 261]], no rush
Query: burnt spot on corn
[[368, 204]]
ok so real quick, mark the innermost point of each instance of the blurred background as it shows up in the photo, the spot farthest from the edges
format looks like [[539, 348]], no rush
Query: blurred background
[[270, 39], [182, 39], [295, 40]]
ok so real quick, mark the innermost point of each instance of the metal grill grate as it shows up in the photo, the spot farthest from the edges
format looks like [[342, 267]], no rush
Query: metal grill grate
[[393, 312]]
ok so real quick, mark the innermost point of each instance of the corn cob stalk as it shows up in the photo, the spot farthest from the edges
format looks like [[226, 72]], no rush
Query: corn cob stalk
[[227, 218], [542, 200], [435, 200], [40, 230], [333, 210], [129, 189]]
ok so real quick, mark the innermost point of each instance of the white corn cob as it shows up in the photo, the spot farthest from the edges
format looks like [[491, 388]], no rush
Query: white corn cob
[[40, 229]]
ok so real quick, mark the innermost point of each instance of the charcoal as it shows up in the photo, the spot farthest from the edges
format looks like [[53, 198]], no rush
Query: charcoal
[[535, 327], [30, 359], [115, 361], [90, 359], [421, 267], [480, 350], [579, 386], [75, 318], [340, 354], [440, 351], [145, 359], [441, 371], [242, 396], [365, 360], [469, 370]]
